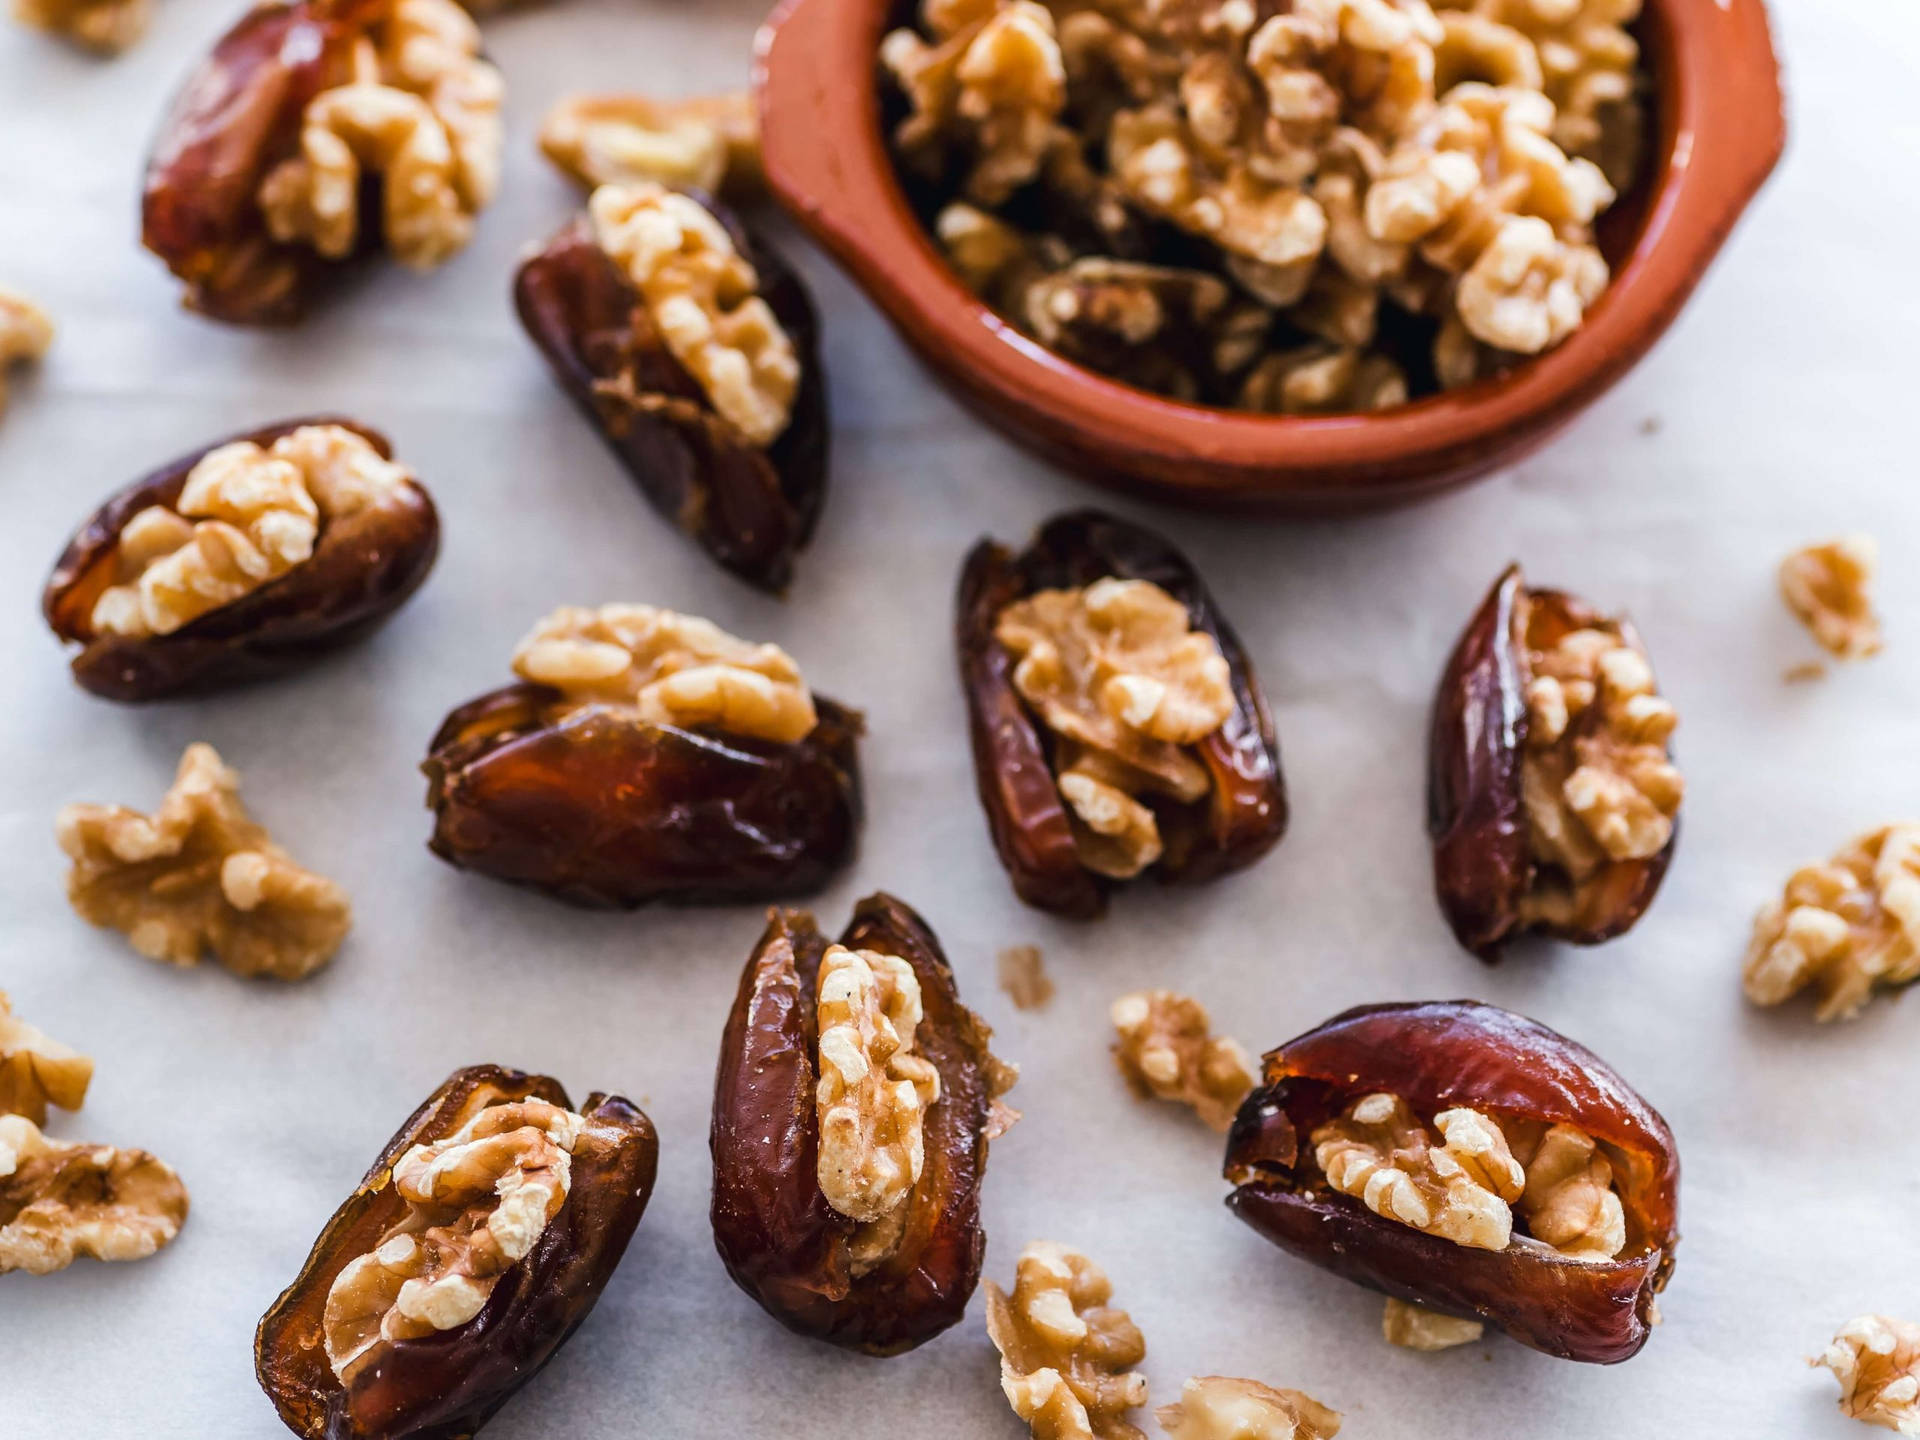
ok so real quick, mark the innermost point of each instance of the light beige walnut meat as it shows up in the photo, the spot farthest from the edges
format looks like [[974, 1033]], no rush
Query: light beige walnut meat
[[1415, 1327], [1167, 1050], [37, 1071], [1217, 1407], [60, 1201], [1118, 674], [1066, 1355], [477, 1202], [1877, 1362], [703, 296], [673, 669], [246, 516], [1830, 587], [199, 875], [25, 334], [1323, 379], [1842, 928], [421, 112], [105, 27], [709, 142]]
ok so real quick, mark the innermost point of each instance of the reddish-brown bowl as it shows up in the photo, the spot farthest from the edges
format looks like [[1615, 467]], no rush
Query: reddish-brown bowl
[[1718, 129]]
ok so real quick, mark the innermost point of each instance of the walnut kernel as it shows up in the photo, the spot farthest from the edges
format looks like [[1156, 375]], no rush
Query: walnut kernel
[[59, 1201], [1065, 1354], [1877, 1362], [1215, 1407], [199, 874], [36, 1070], [1829, 586], [104, 26], [1023, 975], [1167, 1050], [1415, 1327], [25, 334], [705, 143]]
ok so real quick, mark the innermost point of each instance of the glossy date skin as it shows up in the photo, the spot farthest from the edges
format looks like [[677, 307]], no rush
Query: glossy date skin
[[780, 1240], [1458, 1053], [1242, 818], [600, 808], [751, 509], [235, 118], [1475, 815], [364, 566], [446, 1385]]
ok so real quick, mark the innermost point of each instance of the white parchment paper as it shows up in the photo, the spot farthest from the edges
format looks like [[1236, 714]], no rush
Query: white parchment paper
[[1779, 410]]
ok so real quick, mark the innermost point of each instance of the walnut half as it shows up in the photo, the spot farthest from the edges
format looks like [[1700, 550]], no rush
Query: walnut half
[[710, 142], [25, 334], [1065, 1354], [198, 874], [59, 1201], [1877, 1362], [37, 1071], [1167, 1050], [1217, 1407], [1829, 586], [104, 26]]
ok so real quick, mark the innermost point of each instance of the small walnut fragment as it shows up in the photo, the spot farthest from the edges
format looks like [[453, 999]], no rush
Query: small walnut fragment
[[672, 669], [1415, 1327], [1065, 1354], [709, 142], [25, 334], [1829, 587], [1023, 976], [60, 1201], [1217, 1407], [105, 27], [1167, 1050], [1877, 1362], [1843, 927], [37, 1071], [197, 875]]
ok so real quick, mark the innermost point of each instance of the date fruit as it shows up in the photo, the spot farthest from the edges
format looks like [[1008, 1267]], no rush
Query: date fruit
[[363, 566], [1242, 812], [1550, 800], [752, 508], [780, 1238], [434, 1355], [1445, 1059]]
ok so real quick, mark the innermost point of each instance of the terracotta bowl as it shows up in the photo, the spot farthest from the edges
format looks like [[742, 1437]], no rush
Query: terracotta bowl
[[1717, 130]]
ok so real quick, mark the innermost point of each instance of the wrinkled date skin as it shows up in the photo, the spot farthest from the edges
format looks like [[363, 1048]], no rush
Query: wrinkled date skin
[[1441, 1054], [599, 807], [237, 116], [1481, 864], [1243, 817], [364, 566], [752, 509], [445, 1386], [781, 1241]]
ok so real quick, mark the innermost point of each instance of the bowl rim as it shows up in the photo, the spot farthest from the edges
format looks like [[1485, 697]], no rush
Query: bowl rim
[[1722, 119]]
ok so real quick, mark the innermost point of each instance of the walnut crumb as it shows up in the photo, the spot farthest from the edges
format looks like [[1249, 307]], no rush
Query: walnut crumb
[[1023, 976], [1415, 1327], [60, 1200], [709, 143], [1877, 1362], [1065, 1354], [105, 27], [1215, 1407], [36, 1070], [1829, 586], [1166, 1050], [25, 334], [198, 874]]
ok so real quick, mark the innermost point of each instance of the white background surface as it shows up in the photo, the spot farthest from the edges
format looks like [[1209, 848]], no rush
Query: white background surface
[[1779, 410]]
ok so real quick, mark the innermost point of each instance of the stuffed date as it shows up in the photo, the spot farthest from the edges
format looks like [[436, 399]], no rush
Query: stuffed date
[[1117, 725], [852, 1112], [695, 352], [479, 1239], [245, 559], [1470, 1160]]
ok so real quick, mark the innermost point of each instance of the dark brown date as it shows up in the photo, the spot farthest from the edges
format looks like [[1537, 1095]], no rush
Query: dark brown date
[[1457, 1053], [598, 807], [444, 1386], [780, 1240], [237, 116], [1242, 818], [1483, 864], [363, 568], [752, 509]]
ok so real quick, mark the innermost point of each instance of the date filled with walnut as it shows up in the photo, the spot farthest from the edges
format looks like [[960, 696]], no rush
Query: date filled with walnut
[[1469, 1160]]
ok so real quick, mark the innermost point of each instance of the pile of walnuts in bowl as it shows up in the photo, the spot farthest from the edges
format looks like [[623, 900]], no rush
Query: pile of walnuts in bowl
[[1317, 208]]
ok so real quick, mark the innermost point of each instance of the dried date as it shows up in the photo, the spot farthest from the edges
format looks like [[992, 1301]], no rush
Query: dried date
[[1442, 1056], [447, 1382]]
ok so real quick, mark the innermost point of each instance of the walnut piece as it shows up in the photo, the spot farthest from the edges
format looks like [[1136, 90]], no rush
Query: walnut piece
[[421, 112], [1829, 586], [36, 1070], [1877, 1362], [1065, 1354], [1215, 1407], [199, 874], [246, 516], [1469, 1187], [1166, 1050], [1842, 928], [105, 27], [60, 1200], [477, 1201], [1023, 975], [1415, 1327], [1117, 674], [1323, 379], [673, 669], [703, 296], [710, 142], [25, 334]]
